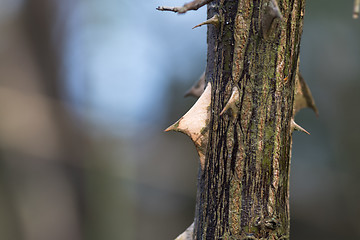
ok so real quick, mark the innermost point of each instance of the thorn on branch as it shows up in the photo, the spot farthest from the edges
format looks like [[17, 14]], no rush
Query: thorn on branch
[[214, 21], [194, 5], [271, 224], [303, 96], [195, 123], [274, 9], [198, 87], [232, 104], [271, 12], [295, 126]]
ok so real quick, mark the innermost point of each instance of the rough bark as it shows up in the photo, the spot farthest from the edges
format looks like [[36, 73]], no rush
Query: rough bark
[[245, 135], [244, 188]]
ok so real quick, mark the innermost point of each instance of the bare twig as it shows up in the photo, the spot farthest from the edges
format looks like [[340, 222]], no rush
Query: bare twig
[[356, 9], [194, 5]]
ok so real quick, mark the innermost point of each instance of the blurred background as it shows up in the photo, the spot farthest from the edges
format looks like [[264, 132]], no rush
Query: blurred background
[[87, 88]]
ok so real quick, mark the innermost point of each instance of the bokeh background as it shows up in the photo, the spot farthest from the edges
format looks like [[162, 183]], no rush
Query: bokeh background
[[86, 89]]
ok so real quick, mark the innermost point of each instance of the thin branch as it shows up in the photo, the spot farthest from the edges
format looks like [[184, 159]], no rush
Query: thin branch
[[356, 9], [194, 5]]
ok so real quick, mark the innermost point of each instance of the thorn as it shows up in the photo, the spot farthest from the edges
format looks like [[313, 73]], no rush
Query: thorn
[[198, 88], [194, 5], [214, 21], [356, 9], [303, 96], [173, 127], [271, 223], [231, 104], [188, 234], [295, 126], [194, 123], [271, 12], [274, 9]]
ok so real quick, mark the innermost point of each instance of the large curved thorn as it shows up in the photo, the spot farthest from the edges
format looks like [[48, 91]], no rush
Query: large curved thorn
[[195, 122]]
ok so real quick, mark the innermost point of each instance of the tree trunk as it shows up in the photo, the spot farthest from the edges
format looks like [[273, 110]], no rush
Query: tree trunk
[[246, 119], [243, 192]]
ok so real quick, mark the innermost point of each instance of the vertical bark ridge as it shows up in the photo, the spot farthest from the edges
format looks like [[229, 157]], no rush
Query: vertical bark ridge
[[217, 192]]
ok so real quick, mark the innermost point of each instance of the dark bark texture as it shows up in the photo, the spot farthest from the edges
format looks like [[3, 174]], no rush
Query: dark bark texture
[[243, 191]]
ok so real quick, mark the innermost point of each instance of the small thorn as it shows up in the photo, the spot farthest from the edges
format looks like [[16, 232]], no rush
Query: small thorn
[[295, 126], [271, 223], [271, 12], [198, 88], [214, 21], [231, 104], [275, 11], [303, 96]]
